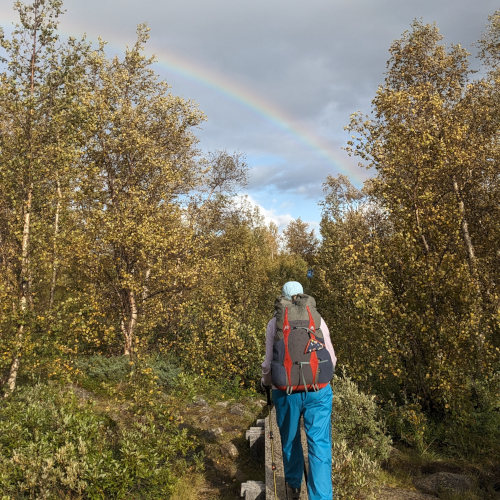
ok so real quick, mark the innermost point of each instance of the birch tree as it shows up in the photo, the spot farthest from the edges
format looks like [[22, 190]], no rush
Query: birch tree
[[432, 140], [37, 93], [300, 239], [139, 163]]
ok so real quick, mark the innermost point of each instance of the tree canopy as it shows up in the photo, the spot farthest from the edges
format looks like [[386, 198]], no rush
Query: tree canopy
[[118, 236]]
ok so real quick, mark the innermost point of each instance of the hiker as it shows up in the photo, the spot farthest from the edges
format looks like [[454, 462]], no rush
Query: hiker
[[301, 387]]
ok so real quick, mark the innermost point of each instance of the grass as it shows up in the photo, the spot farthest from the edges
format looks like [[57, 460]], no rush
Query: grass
[[199, 406], [189, 407], [190, 487]]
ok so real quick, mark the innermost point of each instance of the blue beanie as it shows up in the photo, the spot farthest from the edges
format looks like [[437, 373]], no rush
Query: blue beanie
[[291, 288]]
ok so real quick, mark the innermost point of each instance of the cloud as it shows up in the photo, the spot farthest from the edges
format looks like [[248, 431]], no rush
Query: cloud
[[302, 172], [305, 181], [317, 61], [269, 215], [297, 55], [279, 216]]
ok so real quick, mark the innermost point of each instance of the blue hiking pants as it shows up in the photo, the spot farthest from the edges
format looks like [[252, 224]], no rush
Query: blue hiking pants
[[316, 409]]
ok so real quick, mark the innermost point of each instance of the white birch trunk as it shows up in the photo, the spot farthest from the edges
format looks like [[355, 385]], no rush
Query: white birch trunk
[[14, 367], [54, 249], [25, 272], [128, 325], [471, 256], [420, 231]]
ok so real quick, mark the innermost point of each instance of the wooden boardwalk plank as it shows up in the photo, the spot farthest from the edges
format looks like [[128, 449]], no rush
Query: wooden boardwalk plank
[[281, 493]]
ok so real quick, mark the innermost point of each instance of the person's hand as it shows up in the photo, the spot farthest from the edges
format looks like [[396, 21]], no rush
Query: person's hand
[[267, 390], [263, 387]]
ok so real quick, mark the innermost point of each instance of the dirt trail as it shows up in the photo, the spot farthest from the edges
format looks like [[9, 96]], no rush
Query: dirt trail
[[390, 493]]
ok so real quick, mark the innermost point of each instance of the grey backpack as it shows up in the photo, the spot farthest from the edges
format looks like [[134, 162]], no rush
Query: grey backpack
[[301, 361]]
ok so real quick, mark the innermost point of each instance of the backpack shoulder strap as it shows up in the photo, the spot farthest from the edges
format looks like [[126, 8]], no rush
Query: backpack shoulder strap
[[281, 307]]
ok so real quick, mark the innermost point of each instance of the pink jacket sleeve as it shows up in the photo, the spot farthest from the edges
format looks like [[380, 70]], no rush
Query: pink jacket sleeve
[[266, 365], [328, 342]]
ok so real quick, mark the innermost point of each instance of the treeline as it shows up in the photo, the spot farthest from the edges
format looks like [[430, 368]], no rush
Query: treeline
[[408, 267], [119, 237]]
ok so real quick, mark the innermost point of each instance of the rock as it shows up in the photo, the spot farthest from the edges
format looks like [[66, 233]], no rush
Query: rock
[[80, 392], [253, 490], [222, 404], [398, 461], [438, 466], [213, 434], [231, 470], [199, 401], [238, 409], [391, 493], [230, 449], [444, 482], [204, 419]]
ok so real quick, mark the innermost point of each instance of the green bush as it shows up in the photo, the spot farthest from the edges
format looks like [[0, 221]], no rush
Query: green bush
[[359, 443], [166, 369], [97, 369], [353, 471], [408, 424], [52, 446], [472, 428], [104, 369]]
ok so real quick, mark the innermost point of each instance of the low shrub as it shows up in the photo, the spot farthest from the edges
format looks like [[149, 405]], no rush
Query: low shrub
[[54, 446], [408, 424], [166, 370], [103, 368], [353, 471], [359, 442], [472, 428], [96, 370]]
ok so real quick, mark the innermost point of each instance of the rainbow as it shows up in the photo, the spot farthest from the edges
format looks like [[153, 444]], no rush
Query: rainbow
[[169, 61]]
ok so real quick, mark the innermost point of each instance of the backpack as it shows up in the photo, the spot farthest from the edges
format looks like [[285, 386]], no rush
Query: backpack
[[301, 361]]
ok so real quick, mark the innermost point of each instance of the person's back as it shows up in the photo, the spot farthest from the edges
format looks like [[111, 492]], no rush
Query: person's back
[[299, 363]]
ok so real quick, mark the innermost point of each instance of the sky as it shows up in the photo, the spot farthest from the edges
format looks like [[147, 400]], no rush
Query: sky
[[276, 79]]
